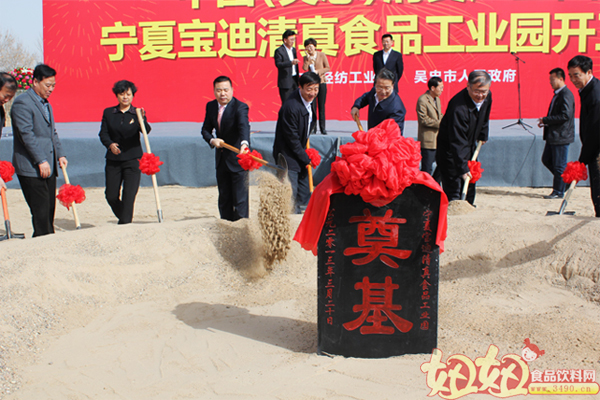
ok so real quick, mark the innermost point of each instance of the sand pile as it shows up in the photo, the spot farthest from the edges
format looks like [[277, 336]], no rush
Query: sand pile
[[274, 217], [152, 311], [460, 207]]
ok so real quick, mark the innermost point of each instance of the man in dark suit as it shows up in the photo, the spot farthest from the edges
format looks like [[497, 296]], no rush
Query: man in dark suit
[[286, 62], [389, 59], [229, 118], [291, 134], [37, 152], [581, 75], [465, 123], [383, 102], [559, 131], [8, 88]]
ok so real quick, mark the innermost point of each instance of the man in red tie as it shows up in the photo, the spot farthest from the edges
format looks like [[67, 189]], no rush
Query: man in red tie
[[228, 117]]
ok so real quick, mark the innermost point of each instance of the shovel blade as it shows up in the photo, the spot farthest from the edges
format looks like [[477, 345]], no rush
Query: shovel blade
[[283, 172], [9, 233], [549, 213]]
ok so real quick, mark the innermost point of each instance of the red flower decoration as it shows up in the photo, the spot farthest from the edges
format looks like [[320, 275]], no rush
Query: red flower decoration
[[575, 171], [23, 76], [6, 171], [149, 164], [476, 170], [247, 162], [379, 165], [67, 194], [315, 157]]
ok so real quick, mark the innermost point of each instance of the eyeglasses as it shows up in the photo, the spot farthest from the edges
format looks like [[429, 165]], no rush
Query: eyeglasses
[[480, 92]]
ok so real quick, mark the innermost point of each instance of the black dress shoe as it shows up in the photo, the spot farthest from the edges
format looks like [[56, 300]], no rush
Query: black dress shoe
[[553, 196], [323, 132]]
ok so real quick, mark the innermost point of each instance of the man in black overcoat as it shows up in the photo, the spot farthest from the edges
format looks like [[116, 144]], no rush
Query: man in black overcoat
[[559, 131], [294, 123], [465, 123], [581, 75]]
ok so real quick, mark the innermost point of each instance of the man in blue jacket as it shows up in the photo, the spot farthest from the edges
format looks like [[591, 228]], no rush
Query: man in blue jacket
[[383, 102]]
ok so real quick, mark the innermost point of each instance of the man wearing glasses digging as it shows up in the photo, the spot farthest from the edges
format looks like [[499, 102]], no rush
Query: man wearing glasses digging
[[465, 123]]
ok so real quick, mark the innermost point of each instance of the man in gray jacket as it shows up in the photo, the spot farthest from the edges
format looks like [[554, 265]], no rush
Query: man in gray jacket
[[559, 131], [37, 152]]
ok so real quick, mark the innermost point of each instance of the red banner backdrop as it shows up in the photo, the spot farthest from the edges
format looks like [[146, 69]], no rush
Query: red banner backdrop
[[173, 49]]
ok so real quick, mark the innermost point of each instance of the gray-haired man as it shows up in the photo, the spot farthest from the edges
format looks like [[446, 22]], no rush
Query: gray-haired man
[[465, 123]]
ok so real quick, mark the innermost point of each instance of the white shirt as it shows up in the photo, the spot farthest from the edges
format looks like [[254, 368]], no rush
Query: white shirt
[[478, 105], [291, 56], [386, 55]]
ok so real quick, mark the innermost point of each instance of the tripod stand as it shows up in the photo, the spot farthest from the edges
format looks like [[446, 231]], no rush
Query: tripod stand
[[520, 120]]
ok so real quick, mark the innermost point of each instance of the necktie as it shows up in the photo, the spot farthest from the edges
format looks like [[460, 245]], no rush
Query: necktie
[[221, 110]]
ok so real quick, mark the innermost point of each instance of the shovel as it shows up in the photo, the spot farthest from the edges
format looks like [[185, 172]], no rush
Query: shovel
[[357, 120], [9, 233], [463, 195], [564, 202], [311, 185], [75, 216], [154, 183]]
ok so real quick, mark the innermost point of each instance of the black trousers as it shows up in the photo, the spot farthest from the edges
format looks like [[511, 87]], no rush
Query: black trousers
[[40, 195], [284, 93], [300, 190], [453, 188], [233, 194], [127, 174], [555, 159], [594, 175], [319, 103], [427, 159]]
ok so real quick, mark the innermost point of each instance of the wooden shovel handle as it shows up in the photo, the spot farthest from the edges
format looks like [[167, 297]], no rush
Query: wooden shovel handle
[[311, 185], [75, 215], [138, 111], [463, 195], [237, 151], [4, 204], [357, 120]]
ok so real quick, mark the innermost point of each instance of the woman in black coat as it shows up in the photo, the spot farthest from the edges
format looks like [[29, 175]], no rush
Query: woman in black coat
[[120, 134]]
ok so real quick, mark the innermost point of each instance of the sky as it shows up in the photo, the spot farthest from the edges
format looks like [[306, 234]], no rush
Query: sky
[[23, 19]]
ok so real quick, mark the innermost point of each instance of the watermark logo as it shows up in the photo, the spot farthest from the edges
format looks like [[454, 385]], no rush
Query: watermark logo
[[531, 352], [507, 376]]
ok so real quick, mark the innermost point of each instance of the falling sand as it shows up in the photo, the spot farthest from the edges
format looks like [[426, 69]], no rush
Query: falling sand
[[274, 217], [240, 246]]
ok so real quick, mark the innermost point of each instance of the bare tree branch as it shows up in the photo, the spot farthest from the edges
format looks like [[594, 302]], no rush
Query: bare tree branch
[[13, 54]]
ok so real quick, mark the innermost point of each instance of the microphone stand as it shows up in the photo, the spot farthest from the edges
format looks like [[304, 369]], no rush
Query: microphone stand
[[520, 120]]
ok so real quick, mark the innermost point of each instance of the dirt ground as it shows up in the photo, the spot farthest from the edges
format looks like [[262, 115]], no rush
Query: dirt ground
[[180, 310]]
